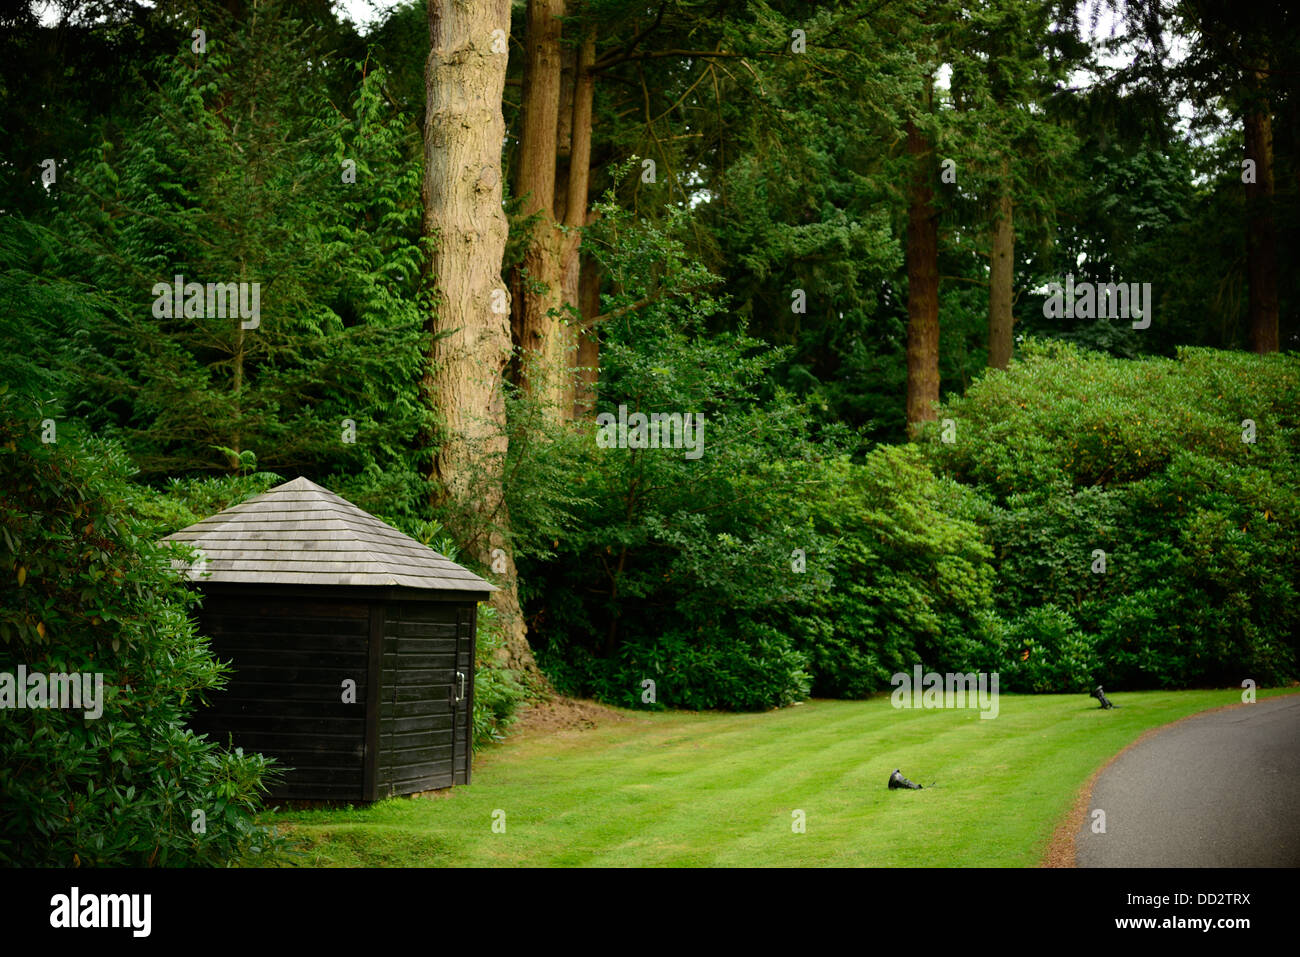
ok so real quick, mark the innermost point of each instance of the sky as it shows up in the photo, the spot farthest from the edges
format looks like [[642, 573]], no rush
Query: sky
[[365, 12], [361, 12]]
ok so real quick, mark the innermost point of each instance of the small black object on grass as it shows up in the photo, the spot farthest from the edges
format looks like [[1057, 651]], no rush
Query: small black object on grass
[[896, 780], [1106, 703]]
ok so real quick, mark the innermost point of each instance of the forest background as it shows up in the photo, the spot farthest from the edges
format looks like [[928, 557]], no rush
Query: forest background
[[829, 230]]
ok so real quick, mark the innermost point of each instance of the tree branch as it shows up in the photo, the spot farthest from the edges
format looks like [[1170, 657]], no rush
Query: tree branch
[[631, 44], [660, 54], [622, 311]]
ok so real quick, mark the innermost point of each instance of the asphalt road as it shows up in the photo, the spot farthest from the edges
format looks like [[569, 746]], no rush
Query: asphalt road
[[1217, 790]]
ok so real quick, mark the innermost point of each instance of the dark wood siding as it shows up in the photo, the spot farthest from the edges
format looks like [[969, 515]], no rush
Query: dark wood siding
[[417, 721], [465, 618], [409, 729], [285, 698]]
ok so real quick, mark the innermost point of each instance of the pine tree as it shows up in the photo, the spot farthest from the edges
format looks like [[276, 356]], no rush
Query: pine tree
[[247, 173]]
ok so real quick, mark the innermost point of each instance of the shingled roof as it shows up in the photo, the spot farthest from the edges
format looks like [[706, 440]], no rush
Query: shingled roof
[[301, 534]]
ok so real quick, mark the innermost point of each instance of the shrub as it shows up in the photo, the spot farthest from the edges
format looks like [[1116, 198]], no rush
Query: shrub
[[497, 691], [84, 589], [1147, 461], [911, 574], [1044, 650], [670, 568]]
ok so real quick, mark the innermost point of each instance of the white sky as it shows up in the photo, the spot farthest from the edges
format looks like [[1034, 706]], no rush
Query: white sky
[[361, 12], [364, 12]]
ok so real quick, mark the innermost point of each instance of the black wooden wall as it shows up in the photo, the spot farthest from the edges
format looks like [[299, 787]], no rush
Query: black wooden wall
[[423, 718], [285, 698], [291, 655], [465, 657]]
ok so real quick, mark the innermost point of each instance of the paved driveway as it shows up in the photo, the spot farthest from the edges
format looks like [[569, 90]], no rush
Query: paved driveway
[[1217, 790]]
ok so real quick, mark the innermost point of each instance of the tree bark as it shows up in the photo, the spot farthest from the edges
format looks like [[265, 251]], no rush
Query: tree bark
[[1261, 233], [540, 284], [470, 340], [575, 215], [554, 180], [1002, 259], [922, 284], [588, 371]]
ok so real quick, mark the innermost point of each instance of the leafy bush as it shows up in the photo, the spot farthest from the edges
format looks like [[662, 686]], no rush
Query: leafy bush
[[182, 502], [769, 567], [670, 568], [912, 578], [497, 692], [678, 572], [741, 665], [1044, 650], [84, 589], [1149, 462]]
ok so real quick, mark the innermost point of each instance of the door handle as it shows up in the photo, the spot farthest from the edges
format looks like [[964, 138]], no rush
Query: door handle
[[461, 697]]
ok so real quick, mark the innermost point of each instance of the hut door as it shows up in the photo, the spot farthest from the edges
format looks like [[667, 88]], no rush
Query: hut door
[[421, 680], [462, 692]]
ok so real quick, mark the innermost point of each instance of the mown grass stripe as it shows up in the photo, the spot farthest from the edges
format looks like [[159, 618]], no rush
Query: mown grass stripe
[[672, 789]]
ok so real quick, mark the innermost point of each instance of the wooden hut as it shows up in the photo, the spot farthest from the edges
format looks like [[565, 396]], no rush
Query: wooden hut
[[352, 644]]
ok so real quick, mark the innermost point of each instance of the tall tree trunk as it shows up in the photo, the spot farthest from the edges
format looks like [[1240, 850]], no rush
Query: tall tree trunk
[[1261, 234], [575, 214], [588, 372], [461, 192], [538, 324], [1002, 259], [554, 180], [922, 284]]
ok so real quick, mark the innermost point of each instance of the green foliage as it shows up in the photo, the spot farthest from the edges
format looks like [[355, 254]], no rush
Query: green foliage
[[771, 566], [41, 311], [1145, 461], [182, 502], [1130, 221], [497, 692], [83, 589], [676, 569], [912, 579], [800, 171], [1043, 650], [250, 168]]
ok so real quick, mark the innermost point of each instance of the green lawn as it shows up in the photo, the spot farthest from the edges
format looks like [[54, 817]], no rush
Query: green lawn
[[689, 789]]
